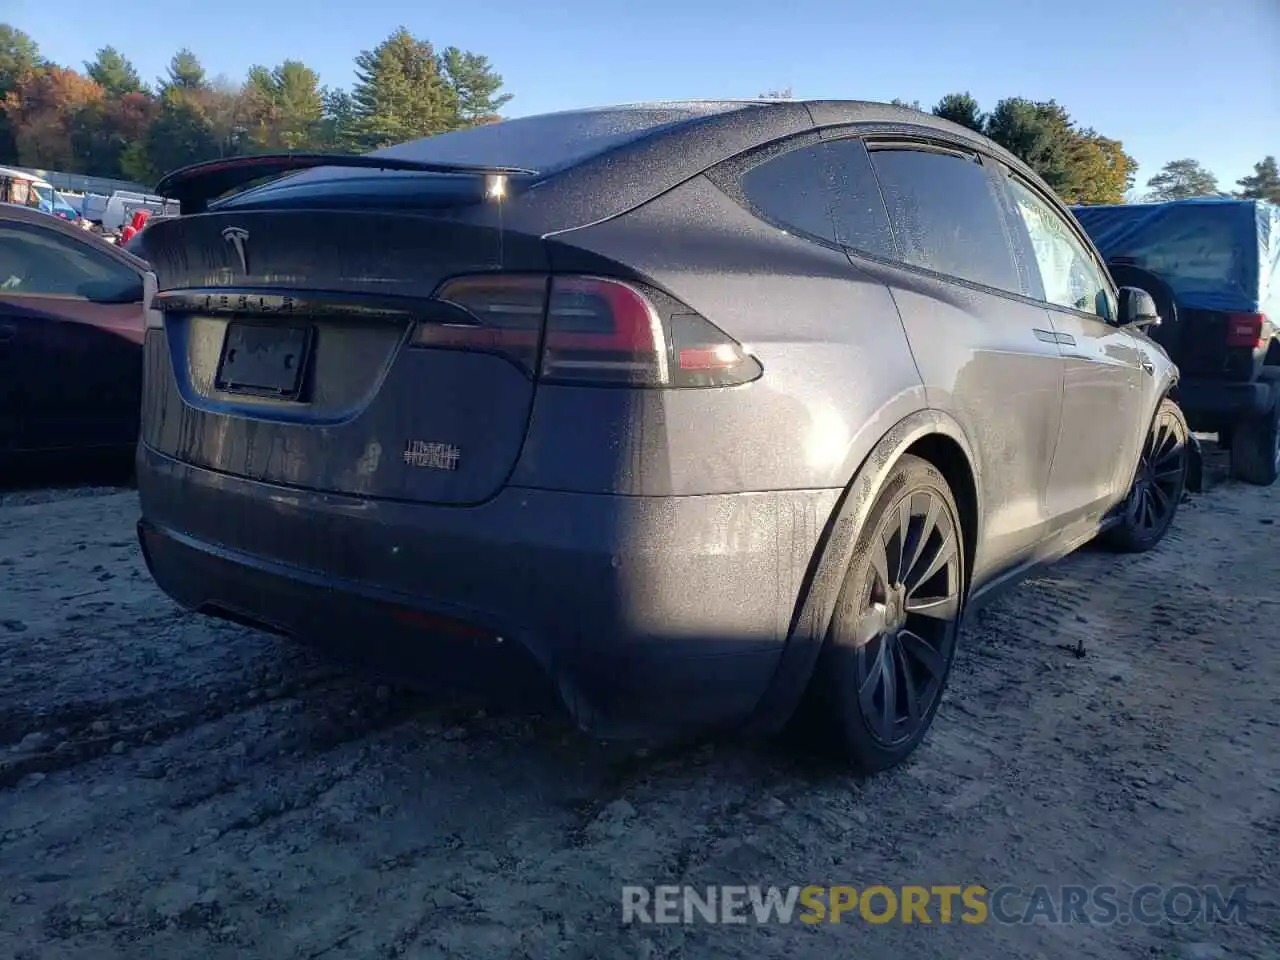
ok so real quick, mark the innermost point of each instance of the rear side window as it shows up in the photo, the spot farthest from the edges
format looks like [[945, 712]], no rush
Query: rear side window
[[945, 216], [826, 190], [861, 221], [792, 190]]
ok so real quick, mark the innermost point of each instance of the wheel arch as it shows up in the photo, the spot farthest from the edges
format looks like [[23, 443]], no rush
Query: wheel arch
[[1168, 390], [929, 434]]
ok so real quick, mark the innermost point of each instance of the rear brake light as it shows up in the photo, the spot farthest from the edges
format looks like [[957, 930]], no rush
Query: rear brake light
[[1246, 330], [597, 331]]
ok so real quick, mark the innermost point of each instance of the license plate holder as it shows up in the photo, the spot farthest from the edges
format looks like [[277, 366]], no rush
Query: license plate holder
[[263, 360]]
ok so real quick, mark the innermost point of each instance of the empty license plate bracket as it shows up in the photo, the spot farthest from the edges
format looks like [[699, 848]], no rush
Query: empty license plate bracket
[[263, 360]]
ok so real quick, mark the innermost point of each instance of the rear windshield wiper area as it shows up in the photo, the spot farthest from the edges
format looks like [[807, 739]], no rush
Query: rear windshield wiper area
[[196, 186]]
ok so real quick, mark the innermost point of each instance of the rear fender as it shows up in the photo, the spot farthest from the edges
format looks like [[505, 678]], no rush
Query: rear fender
[[831, 559]]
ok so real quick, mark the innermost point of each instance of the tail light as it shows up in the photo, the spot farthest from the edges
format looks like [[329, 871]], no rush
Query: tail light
[[1247, 330], [496, 314], [597, 331]]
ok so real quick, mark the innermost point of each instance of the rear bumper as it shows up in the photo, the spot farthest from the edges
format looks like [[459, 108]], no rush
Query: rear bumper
[[1204, 400], [648, 616]]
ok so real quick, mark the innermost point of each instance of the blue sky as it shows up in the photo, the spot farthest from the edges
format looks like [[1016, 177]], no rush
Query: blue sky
[[1171, 78]]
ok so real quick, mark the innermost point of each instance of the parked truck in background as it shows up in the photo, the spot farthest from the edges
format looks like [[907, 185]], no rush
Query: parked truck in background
[[122, 205], [1213, 268]]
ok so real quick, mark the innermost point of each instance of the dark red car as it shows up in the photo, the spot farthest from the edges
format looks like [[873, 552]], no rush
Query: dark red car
[[72, 314]]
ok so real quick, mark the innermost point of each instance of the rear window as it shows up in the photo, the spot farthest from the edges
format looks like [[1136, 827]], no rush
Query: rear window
[[546, 143], [552, 141], [43, 263]]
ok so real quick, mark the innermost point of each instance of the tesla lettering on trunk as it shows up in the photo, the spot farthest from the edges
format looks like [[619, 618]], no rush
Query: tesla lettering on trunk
[[433, 456]]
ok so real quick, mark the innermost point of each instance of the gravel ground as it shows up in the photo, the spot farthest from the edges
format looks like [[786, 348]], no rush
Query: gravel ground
[[175, 787]]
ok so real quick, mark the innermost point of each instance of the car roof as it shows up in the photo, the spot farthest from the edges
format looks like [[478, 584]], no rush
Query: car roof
[[597, 162], [713, 131], [28, 215], [840, 113]]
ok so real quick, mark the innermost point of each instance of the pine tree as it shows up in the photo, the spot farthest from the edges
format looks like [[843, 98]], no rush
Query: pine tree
[[400, 93], [1263, 183], [114, 73]]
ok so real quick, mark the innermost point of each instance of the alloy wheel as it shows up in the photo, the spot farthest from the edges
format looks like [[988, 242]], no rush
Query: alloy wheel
[[1161, 471], [910, 605]]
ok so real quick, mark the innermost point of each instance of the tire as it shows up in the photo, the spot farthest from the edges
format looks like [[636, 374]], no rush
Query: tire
[[1161, 477], [875, 636], [1255, 448]]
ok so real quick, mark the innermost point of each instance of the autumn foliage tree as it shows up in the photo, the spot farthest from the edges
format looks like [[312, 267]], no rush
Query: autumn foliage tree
[[108, 122], [44, 108]]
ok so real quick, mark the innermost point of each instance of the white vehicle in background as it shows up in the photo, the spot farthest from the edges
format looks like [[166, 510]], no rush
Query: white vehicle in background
[[122, 205], [27, 190]]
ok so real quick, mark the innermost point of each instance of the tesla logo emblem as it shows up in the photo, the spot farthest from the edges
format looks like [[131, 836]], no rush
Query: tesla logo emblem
[[433, 456], [238, 237]]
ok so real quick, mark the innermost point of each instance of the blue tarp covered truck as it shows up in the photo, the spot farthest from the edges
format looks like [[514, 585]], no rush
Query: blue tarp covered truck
[[1213, 268]]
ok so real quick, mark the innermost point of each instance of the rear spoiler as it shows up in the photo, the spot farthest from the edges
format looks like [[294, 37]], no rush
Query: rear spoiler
[[195, 186]]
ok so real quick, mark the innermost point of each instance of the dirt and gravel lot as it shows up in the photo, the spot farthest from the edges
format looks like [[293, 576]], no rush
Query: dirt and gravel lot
[[173, 787]]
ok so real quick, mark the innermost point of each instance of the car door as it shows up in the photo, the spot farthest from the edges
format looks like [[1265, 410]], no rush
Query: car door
[[1108, 378], [987, 357], [70, 335]]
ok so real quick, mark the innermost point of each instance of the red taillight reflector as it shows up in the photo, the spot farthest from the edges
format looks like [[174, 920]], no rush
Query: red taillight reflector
[[1245, 329], [722, 357]]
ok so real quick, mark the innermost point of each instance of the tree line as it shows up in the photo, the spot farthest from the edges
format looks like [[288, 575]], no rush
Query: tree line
[[1080, 164], [106, 121]]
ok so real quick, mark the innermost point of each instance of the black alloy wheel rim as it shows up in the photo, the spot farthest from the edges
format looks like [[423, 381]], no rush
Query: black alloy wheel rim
[[910, 605], [1161, 471]]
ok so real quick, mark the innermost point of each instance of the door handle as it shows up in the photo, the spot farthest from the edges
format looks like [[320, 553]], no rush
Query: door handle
[[1149, 368], [1050, 336], [7, 331]]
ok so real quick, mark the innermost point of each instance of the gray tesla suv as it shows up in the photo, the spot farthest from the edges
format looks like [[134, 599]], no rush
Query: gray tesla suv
[[707, 413]]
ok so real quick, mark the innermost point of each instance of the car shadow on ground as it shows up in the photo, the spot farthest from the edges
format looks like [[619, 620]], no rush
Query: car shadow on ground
[[65, 473]]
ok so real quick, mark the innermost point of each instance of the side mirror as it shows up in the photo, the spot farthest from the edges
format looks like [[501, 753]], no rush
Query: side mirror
[[1137, 308]]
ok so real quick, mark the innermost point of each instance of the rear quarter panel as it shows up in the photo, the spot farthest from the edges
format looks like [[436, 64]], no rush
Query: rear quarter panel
[[838, 373]]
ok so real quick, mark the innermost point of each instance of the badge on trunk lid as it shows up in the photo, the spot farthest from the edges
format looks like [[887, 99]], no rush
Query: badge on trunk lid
[[433, 456], [238, 237]]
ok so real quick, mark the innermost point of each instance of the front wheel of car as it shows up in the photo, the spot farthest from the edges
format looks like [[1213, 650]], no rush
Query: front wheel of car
[[1158, 484], [892, 638]]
